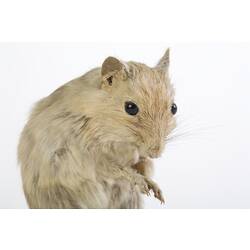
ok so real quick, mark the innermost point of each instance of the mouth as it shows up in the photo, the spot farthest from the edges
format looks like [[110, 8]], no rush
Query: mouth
[[154, 155]]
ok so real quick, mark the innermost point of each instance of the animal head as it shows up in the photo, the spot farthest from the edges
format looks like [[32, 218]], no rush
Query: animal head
[[139, 104]]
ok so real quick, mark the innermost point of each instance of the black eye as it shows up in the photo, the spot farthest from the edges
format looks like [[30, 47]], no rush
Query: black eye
[[174, 108], [131, 108]]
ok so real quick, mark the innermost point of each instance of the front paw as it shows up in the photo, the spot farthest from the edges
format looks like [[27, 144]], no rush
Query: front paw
[[156, 190], [145, 184]]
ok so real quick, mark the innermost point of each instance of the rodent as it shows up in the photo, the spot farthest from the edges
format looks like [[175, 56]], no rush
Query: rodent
[[90, 143]]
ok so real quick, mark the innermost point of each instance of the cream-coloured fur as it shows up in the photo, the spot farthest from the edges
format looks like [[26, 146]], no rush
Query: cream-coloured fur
[[80, 149]]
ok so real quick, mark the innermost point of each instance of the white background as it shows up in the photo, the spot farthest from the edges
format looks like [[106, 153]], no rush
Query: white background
[[125, 21], [206, 166]]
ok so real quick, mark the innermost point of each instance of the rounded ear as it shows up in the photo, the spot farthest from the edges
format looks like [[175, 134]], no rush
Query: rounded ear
[[163, 64], [110, 65]]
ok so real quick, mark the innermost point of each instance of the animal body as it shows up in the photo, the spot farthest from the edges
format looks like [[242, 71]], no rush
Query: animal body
[[90, 143]]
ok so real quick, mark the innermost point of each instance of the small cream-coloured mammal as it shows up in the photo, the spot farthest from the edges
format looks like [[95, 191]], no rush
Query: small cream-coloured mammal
[[89, 144]]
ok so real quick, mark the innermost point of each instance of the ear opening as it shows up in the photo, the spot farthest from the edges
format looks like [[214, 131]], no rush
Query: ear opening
[[110, 80]]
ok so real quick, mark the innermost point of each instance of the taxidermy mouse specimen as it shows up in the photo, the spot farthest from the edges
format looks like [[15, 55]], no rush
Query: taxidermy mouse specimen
[[91, 142]]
